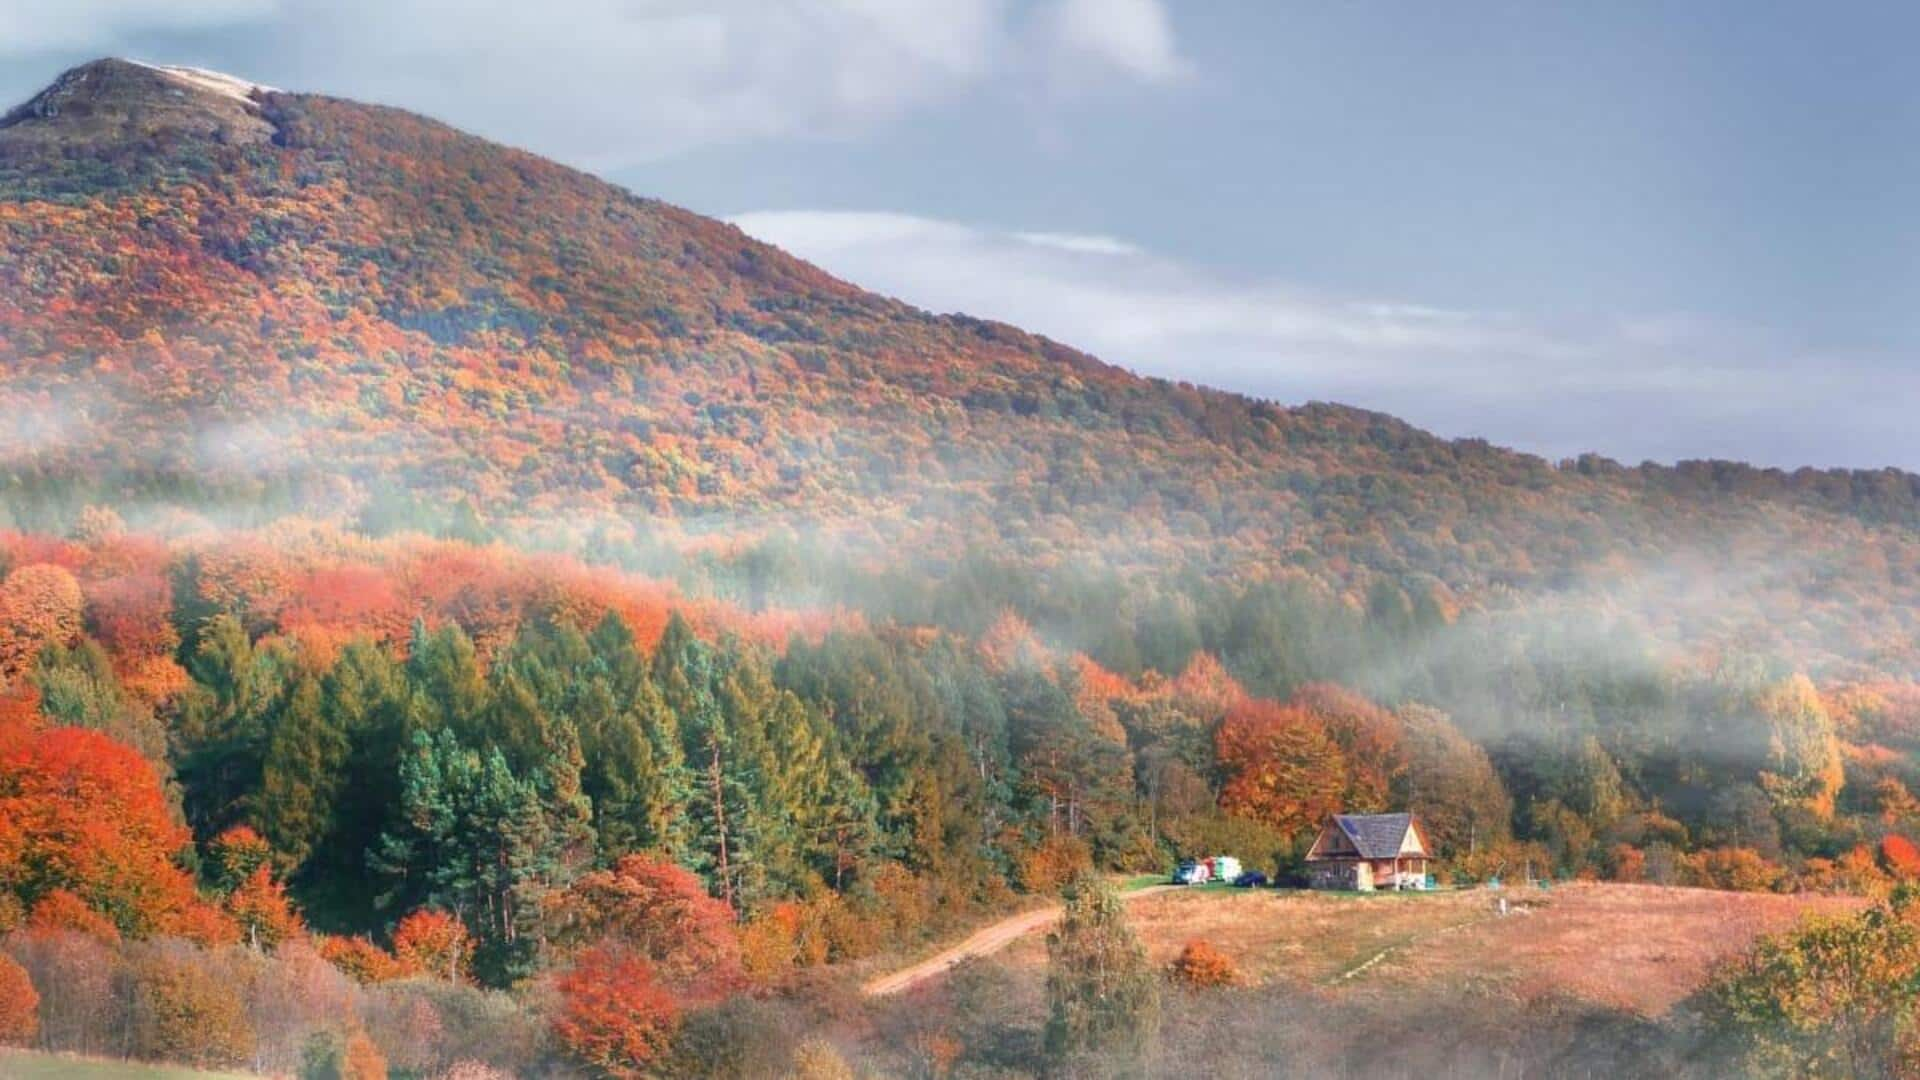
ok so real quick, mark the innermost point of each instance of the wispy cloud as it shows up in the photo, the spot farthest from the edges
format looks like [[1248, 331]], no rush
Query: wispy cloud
[[1659, 385], [1079, 243], [30, 26]]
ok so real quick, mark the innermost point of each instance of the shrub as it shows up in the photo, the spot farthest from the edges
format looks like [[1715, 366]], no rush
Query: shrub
[[770, 945], [291, 994], [75, 976], [816, 1059], [1052, 863], [737, 1038], [1201, 964], [905, 901], [406, 1026], [1831, 997], [1736, 869], [472, 1024], [471, 1070], [1900, 857], [848, 932], [334, 1056], [614, 1015], [1626, 863], [184, 1010], [19, 1004], [1855, 872]]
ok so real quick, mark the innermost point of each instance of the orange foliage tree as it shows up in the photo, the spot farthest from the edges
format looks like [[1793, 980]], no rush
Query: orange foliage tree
[[62, 910], [1282, 768], [661, 912], [614, 1016], [261, 908], [433, 942], [1369, 738], [360, 958], [83, 813], [40, 605], [255, 898]]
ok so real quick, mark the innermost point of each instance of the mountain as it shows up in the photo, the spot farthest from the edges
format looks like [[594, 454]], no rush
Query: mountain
[[238, 301]]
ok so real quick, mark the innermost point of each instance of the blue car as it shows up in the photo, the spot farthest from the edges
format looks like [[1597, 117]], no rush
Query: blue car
[[1252, 879]]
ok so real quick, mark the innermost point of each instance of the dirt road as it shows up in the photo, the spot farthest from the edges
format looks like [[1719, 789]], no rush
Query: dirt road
[[988, 939]]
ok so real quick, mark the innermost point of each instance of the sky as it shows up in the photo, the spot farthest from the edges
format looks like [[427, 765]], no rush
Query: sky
[[1646, 229]]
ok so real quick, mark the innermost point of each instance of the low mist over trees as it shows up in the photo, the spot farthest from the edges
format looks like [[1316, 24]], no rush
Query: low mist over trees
[[441, 777]]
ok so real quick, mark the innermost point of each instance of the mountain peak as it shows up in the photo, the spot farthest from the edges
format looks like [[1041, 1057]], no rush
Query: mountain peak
[[114, 99]]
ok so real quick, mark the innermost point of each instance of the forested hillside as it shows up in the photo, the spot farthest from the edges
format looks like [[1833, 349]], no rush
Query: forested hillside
[[243, 308], [531, 620]]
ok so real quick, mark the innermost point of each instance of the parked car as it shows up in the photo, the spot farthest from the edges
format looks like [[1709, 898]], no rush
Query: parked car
[[1225, 867], [1252, 879], [1190, 873]]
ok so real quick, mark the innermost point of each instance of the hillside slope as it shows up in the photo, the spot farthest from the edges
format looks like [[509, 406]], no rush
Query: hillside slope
[[218, 296]]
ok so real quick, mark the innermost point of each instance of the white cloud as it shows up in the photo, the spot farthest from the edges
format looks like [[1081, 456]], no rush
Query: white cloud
[[1660, 386], [610, 83], [30, 26], [1133, 36]]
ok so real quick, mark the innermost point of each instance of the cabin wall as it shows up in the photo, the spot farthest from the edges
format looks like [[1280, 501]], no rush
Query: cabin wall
[[1347, 875]]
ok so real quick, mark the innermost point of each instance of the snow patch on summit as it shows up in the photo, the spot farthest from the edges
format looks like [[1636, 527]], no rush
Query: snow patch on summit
[[213, 82]]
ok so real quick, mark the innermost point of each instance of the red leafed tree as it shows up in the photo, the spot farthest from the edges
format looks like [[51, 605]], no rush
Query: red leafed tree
[[433, 942], [81, 812], [1282, 768], [132, 615], [39, 605], [614, 1015], [203, 924], [235, 854], [19, 1004], [663, 913], [62, 910], [348, 600], [260, 905], [1901, 857], [1369, 738]]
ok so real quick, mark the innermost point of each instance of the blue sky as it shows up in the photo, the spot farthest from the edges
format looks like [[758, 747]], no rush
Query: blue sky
[[1649, 229]]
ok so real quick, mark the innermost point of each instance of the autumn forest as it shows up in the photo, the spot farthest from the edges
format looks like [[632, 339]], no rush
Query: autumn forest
[[456, 613]]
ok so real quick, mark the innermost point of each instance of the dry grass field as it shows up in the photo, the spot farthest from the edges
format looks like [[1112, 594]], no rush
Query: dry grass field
[[1640, 948], [26, 1065]]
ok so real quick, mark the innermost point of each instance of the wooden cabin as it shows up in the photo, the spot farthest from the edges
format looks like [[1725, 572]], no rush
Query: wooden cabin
[[1363, 852]]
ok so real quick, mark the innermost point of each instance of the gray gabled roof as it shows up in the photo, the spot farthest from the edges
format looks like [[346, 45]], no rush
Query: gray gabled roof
[[1375, 836]]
